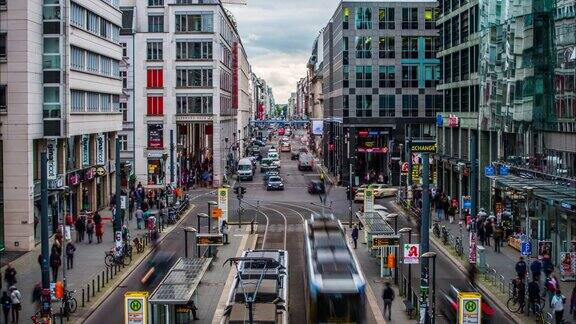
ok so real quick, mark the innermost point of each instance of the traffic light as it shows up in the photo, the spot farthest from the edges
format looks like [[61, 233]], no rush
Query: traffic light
[[243, 190]]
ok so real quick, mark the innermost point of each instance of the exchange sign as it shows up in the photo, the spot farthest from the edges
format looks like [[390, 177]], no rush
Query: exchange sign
[[469, 311], [423, 146], [135, 307]]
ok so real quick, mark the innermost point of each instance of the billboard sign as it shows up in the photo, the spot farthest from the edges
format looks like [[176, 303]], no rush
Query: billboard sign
[[52, 157], [317, 127], [411, 253], [136, 307]]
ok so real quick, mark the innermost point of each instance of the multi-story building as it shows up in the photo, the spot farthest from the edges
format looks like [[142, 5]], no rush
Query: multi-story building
[[196, 88], [315, 96], [127, 99], [302, 98], [60, 89], [292, 105], [509, 80], [379, 76]]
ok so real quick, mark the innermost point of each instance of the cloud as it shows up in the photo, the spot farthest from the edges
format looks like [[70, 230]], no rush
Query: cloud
[[278, 36]]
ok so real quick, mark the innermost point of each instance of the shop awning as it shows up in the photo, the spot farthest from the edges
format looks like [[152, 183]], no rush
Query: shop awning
[[544, 190], [181, 282]]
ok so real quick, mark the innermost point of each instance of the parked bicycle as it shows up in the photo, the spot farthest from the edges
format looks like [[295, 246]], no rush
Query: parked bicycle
[[444, 235], [436, 229], [458, 246], [138, 244], [118, 256], [69, 303]]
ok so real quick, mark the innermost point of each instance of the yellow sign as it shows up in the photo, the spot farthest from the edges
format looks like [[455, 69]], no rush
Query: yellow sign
[[223, 202], [469, 308], [136, 307], [368, 200]]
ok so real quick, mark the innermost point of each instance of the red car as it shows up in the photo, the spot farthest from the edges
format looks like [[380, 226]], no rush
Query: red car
[[281, 131]]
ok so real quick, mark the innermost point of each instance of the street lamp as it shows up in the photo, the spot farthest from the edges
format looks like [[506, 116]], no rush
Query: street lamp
[[395, 217], [432, 255], [409, 290], [401, 146], [528, 191]]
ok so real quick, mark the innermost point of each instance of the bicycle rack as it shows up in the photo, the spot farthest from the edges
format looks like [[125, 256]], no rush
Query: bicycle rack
[[510, 290], [549, 318], [501, 284], [494, 281]]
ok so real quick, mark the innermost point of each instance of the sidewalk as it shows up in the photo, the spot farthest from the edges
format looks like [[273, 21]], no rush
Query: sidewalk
[[88, 261], [502, 262]]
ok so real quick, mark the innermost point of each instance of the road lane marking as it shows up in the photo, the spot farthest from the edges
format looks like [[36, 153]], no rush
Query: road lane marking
[[285, 226]]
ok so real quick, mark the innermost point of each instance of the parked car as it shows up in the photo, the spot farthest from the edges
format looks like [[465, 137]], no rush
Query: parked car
[[285, 147], [274, 183], [295, 154], [316, 187], [245, 169], [281, 131], [258, 143]]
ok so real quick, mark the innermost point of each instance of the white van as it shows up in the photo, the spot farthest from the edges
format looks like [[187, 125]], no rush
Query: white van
[[245, 169]]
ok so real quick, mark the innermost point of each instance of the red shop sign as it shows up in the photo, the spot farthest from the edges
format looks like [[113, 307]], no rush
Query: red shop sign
[[382, 150], [89, 173], [453, 121], [363, 133], [74, 178]]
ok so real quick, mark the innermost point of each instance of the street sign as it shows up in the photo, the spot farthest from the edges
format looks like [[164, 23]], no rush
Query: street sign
[[423, 146], [216, 213], [469, 308], [368, 200], [223, 202], [411, 253], [489, 171], [504, 170], [209, 239], [526, 248], [466, 202], [136, 307], [385, 241]]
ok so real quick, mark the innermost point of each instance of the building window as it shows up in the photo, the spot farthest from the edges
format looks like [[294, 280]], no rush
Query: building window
[[124, 50], [78, 58], [345, 51], [3, 46], [194, 50], [410, 76], [105, 104], [124, 110], [3, 100], [155, 106], [345, 17], [155, 3], [346, 105], [78, 100], [386, 18], [363, 76], [193, 77], [123, 141], [432, 105], [430, 16], [155, 23], [363, 18], [430, 47], [154, 51], [387, 76], [51, 57], [154, 78], [464, 66], [93, 101], [364, 47], [455, 30], [409, 18], [363, 105], [345, 76], [51, 107], [409, 47], [93, 62], [194, 104], [464, 29], [124, 76], [387, 47], [409, 105], [387, 105], [190, 23], [431, 75], [78, 16], [93, 23]]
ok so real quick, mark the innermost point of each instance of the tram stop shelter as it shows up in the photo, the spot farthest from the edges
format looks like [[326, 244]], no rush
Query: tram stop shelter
[[169, 301], [379, 237]]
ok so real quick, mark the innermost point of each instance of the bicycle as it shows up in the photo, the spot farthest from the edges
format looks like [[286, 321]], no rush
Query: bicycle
[[458, 246], [539, 312], [436, 229], [69, 303], [514, 304], [112, 258]]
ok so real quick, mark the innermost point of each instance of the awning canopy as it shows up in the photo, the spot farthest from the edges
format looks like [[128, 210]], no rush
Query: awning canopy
[[548, 191], [181, 282], [375, 224]]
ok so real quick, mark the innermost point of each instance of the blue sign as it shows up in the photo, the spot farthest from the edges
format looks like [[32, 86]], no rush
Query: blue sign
[[466, 202], [504, 170], [567, 206], [439, 120], [526, 248], [489, 171]]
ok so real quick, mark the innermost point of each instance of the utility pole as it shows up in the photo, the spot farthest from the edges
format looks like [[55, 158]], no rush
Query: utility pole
[[528, 192], [117, 215], [474, 175], [44, 220], [425, 231], [171, 156], [351, 179]]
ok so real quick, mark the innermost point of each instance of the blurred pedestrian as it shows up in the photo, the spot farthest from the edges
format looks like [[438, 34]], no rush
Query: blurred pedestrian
[[16, 300], [533, 295], [97, 218], [573, 303], [557, 305], [551, 286], [521, 268], [6, 305], [355, 236], [547, 265], [70, 250], [37, 296], [224, 230], [139, 214], [99, 232], [80, 228], [388, 297], [55, 263], [90, 230], [56, 248], [192, 307], [10, 275], [498, 235], [536, 269]]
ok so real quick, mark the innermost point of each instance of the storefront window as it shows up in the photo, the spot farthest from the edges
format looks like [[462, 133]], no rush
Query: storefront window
[[155, 172]]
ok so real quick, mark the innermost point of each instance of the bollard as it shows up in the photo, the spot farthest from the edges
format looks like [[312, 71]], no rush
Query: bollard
[[92, 287], [102, 278], [107, 275], [82, 297], [88, 293], [98, 283]]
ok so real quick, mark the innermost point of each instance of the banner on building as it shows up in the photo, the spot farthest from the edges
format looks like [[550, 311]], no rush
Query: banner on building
[[223, 203], [368, 200], [100, 149], [52, 157], [155, 136], [85, 150], [545, 248], [567, 263], [317, 127]]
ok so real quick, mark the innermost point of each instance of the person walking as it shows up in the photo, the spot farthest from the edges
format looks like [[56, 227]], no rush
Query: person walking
[[536, 269], [533, 295], [521, 268], [498, 234], [445, 206], [80, 228], [192, 307], [37, 296], [547, 265], [16, 300], [573, 303], [70, 249], [139, 214], [551, 286], [355, 236], [97, 218], [90, 230], [6, 305], [388, 298], [489, 229], [557, 305], [56, 248], [99, 232], [55, 263], [224, 231], [10, 275]]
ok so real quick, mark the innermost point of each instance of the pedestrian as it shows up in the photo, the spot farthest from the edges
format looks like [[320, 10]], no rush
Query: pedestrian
[[55, 263], [355, 236], [97, 218], [10, 275], [56, 248], [557, 305], [192, 307], [451, 213], [125, 234], [481, 233], [16, 300], [521, 268], [388, 297], [533, 295], [99, 232], [224, 231], [498, 234], [438, 205], [70, 249], [80, 228], [37, 296], [445, 206], [6, 305], [488, 229], [547, 265], [536, 269], [573, 303], [551, 286], [90, 230], [139, 214], [520, 289]]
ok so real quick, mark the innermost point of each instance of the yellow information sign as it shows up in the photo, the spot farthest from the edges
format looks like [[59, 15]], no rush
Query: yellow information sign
[[223, 202], [136, 307], [469, 308]]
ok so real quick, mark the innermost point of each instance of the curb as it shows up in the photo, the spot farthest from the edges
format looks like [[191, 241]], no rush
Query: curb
[[480, 286], [129, 270]]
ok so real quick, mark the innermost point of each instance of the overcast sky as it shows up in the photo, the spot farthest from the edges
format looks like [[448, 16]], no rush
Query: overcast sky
[[278, 37]]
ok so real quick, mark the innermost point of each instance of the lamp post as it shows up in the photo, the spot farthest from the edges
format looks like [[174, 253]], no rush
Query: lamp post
[[401, 146], [210, 204], [528, 191], [395, 217], [432, 255], [409, 290], [200, 216]]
